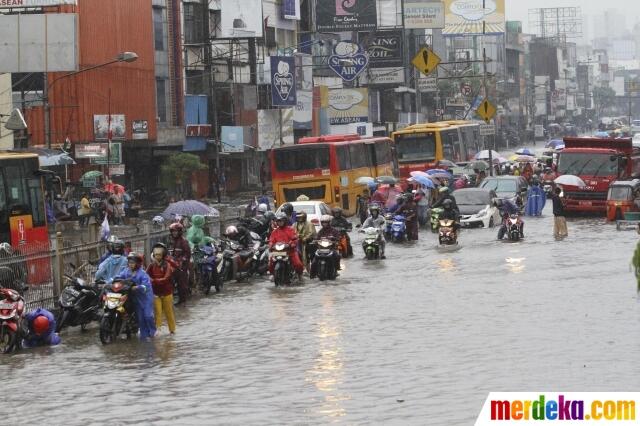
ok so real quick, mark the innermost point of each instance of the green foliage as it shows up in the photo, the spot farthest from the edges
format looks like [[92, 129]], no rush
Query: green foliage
[[179, 167]]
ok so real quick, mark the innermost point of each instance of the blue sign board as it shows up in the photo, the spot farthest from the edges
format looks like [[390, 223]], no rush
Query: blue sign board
[[348, 60], [283, 81]]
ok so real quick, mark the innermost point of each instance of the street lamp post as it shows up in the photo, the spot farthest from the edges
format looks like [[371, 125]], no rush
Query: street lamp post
[[121, 57]]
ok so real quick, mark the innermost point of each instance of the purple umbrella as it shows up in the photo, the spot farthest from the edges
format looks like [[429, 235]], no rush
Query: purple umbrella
[[188, 208]]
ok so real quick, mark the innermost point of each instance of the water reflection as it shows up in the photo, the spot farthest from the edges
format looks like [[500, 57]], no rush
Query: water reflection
[[515, 264], [446, 265]]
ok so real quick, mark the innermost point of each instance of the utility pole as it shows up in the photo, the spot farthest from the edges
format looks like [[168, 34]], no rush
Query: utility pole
[[211, 93], [484, 80]]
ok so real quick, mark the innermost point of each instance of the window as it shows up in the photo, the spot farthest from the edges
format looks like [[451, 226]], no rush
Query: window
[[450, 145], [299, 159], [17, 192], [588, 164], [344, 161], [37, 203], [416, 147], [619, 193], [161, 100], [158, 28], [383, 153], [193, 25], [359, 156]]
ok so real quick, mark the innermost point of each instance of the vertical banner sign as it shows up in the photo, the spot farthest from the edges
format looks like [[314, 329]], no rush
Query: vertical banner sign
[[345, 15], [466, 17], [283, 81]]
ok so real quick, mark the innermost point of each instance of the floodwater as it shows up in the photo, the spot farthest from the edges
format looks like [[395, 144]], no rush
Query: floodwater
[[419, 338]]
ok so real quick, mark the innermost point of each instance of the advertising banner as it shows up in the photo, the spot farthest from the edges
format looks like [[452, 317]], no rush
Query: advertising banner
[[115, 155], [348, 106], [232, 138], [291, 9], [283, 81], [269, 128], [348, 60], [303, 113], [240, 19], [101, 127], [140, 129], [385, 49], [428, 84], [419, 14], [345, 15], [90, 150], [465, 17]]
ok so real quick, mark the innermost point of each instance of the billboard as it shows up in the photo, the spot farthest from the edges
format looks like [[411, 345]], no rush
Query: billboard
[[38, 42], [140, 129], [420, 14], [240, 19], [348, 106], [269, 128], [14, 4], [345, 15], [465, 17], [385, 58], [101, 126], [283, 81], [303, 113], [115, 155], [232, 138]]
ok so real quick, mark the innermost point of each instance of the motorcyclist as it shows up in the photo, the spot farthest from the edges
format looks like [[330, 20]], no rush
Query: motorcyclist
[[284, 233], [287, 208], [445, 194], [341, 222], [112, 239], [242, 236], [410, 211], [306, 233], [507, 208], [114, 265], [181, 254], [376, 220], [328, 232], [448, 213], [261, 210], [41, 326], [143, 295]]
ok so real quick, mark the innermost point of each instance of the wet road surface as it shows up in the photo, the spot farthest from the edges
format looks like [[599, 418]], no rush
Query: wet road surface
[[419, 338]]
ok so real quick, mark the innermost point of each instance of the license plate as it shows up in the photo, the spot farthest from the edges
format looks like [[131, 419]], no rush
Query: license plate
[[585, 203], [278, 253], [114, 295], [6, 306]]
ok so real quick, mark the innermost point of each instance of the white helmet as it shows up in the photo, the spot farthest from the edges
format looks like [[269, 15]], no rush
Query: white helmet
[[262, 208], [158, 220], [231, 231], [326, 218]]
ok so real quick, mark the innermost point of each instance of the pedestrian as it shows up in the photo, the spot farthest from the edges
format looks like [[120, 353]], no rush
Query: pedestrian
[[409, 210], [559, 220], [423, 198], [84, 213], [263, 177], [362, 205], [160, 272]]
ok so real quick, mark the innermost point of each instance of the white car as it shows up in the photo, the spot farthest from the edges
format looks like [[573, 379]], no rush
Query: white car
[[635, 126], [476, 207], [636, 140], [313, 209]]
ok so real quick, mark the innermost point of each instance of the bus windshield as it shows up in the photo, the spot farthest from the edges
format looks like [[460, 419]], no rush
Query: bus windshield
[[587, 164], [301, 158], [416, 146]]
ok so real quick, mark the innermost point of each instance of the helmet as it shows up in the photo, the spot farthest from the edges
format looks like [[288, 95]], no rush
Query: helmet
[[40, 324], [159, 245], [270, 215], [447, 204], [337, 211], [535, 180], [117, 247], [282, 217], [326, 219], [6, 247], [374, 208], [241, 229], [443, 189], [135, 257], [231, 231], [301, 217], [158, 220], [262, 208], [287, 208], [177, 226], [497, 202]]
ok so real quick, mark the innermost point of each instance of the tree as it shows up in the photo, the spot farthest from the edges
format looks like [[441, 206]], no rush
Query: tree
[[179, 168], [603, 97]]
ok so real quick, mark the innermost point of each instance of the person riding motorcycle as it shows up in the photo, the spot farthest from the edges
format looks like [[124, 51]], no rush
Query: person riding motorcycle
[[339, 221], [181, 254], [328, 232], [445, 194], [143, 295], [261, 209], [448, 213], [41, 326], [248, 244], [507, 208], [376, 220], [306, 233], [114, 265], [287, 208], [409, 210], [284, 233], [112, 239]]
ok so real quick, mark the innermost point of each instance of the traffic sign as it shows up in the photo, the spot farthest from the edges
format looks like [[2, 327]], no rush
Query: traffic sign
[[486, 110], [426, 61], [465, 89], [487, 129]]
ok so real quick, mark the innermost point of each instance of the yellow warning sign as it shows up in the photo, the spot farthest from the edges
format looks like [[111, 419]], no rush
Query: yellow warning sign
[[486, 110], [426, 61]]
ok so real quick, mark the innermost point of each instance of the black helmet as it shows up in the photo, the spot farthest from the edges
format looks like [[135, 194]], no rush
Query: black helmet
[[287, 208], [282, 217], [241, 229], [337, 211], [447, 204], [497, 202], [117, 247], [270, 215]]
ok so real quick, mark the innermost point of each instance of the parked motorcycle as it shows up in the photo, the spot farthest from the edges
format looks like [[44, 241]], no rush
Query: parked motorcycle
[[260, 263], [447, 233], [435, 219], [282, 269], [78, 303], [11, 317], [232, 254], [206, 262], [324, 260], [371, 244], [119, 313], [398, 229]]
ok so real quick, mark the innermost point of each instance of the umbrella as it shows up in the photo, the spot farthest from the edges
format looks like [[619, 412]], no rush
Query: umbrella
[[439, 174], [553, 143], [525, 151], [113, 187], [446, 163], [477, 165], [389, 180], [189, 208], [424, 181], [419, 173], [602, 135], [364, 180], [522, 158], [484, 155], [61, 159], [500, 160], [93, 174], [570, 180]]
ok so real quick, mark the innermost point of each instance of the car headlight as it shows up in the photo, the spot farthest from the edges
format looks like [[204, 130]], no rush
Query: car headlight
[[483, 212]]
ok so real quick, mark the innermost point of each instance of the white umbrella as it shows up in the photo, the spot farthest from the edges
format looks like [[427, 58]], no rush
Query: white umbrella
[[364, 180], [484, 155], [570, 180]]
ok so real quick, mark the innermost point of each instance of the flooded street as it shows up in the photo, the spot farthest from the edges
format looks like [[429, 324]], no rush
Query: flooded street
[[419, 338]]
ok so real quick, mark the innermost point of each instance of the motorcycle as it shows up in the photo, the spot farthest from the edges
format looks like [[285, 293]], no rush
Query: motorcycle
[[232, 254], [79, 303], [371, 244], [398, 229], [324, 259], [260, 264], [547, 186], [172, 256], [282, 268], [388, 217], [511, 228], [435, 219], [119, 313], [11, 318], [206, 262], [343, 245], [447, 233]]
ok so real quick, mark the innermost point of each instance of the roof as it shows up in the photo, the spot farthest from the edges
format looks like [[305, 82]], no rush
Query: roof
[[634, 182]]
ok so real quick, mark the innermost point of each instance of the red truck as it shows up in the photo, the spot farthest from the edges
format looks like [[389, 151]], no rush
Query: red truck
[[598, 162]]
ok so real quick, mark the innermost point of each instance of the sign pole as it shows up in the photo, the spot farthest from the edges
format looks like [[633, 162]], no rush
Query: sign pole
[[108, 174]]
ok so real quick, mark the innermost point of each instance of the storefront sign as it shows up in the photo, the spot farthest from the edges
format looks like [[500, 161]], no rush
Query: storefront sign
[[140, 129], [232, 138], [348, 60], [101, 127], [114, 158], [420, 14], [6, 4], [464, 17], [90, 150], [348, 106], [345, 15]]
